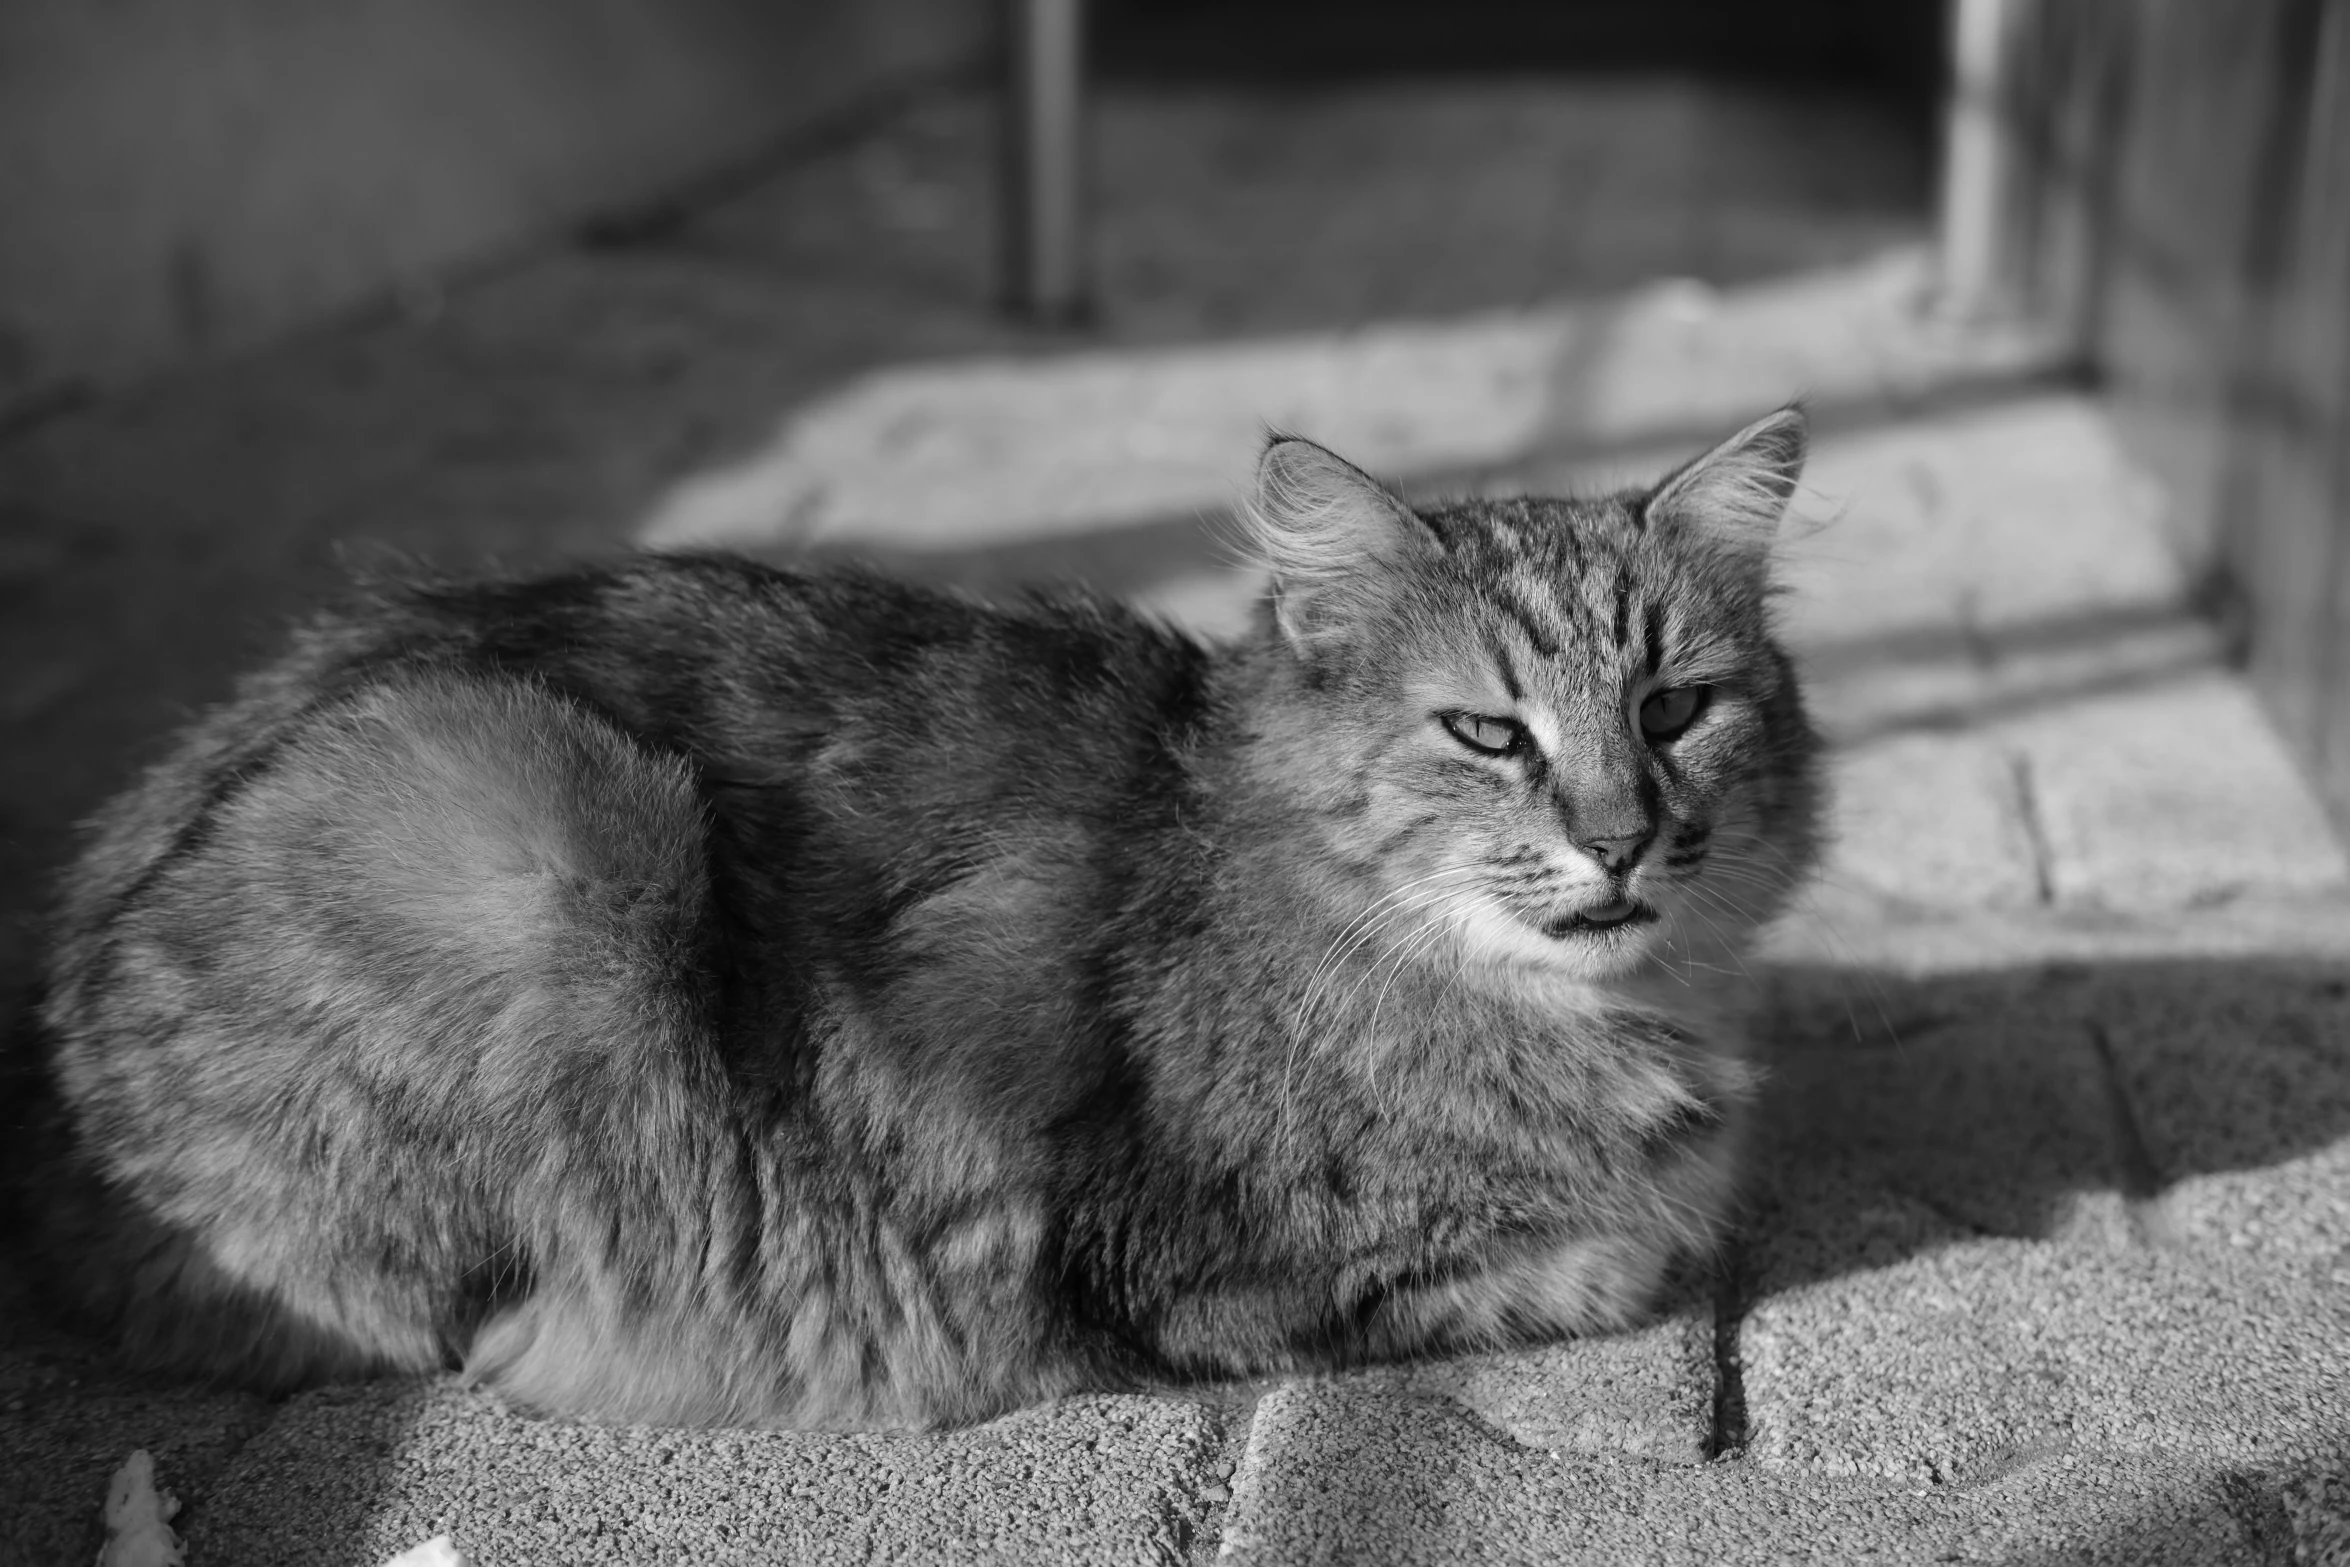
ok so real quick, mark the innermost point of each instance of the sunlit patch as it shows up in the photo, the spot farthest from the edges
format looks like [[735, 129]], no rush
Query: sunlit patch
[[954, 454]]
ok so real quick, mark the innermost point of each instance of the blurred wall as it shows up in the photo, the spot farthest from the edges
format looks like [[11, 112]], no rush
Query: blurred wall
[[2182, 197], [182, 176]]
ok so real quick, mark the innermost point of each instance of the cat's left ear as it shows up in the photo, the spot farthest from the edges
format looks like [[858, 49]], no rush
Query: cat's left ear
[[1737, 493], [1326, 528]]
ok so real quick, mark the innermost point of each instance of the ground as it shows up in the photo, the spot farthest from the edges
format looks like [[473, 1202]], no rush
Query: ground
[[2048, 1253]]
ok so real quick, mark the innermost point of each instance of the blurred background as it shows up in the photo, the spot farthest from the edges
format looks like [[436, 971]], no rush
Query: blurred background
[[284, 287]]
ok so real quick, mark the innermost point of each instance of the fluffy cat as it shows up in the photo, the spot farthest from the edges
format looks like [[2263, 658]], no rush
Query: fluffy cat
[[688, 991]]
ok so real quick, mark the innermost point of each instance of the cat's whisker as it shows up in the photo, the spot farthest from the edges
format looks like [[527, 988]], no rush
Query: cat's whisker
[[1409, 953], [1438, 930], [1397, 954], [1808, 897], [1363, 927], [1400, 903], [1729, 948]]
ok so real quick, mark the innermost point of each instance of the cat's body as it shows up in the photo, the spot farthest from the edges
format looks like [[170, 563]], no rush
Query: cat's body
[[688, 991]]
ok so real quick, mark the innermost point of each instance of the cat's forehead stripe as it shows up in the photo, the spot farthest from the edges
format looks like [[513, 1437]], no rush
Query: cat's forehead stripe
[[1525, 601], [1507, 668], [1597, 592]]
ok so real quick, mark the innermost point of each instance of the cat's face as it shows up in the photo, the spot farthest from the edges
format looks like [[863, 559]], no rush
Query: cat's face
[[1572, 738], [1591, 740]]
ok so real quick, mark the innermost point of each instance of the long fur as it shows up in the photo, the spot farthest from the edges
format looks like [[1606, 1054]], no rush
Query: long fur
[[688, 991]]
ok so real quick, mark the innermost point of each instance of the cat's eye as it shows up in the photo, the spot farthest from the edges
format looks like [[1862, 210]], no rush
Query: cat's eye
[[1479, 732], [1667, 713]]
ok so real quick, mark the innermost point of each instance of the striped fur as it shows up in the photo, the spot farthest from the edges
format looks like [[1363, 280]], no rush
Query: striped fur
[[683, 990]]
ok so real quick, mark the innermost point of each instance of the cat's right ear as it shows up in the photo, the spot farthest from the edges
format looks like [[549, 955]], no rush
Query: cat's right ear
[[1737, 493], [1324, 527]]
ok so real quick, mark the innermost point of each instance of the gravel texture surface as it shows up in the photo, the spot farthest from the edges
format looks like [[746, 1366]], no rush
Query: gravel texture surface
[[1332, 1478], [354, 1475]]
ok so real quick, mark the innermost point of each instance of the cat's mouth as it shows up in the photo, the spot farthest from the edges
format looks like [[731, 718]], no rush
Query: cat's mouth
[[1606, 916]]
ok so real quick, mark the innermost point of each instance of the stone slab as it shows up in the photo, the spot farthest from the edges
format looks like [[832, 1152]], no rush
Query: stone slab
[[1981, 1098], [2240, 1092], [1849, 928], [1349, 1476], [1947, 1364], [1942, 683], [1933, 821], [2172, 796], [1013, 448], [2016, 521], [1646, 1394], [1905, 1322], [354, 1475]]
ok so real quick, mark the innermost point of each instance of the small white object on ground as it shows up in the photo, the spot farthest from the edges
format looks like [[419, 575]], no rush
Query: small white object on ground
[[138, 1518], [435, 1552]]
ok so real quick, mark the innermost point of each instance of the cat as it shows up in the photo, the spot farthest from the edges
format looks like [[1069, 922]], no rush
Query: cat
[[688, 991]]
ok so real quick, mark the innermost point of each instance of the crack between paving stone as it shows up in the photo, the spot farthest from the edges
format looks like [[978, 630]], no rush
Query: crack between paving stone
[[1727, 1438], [2027, 803], [2140, 1177], [2254, 1501], [1207, 1542]]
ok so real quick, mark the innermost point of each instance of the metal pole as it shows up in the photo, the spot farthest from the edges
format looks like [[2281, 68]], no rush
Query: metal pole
[[1044, 166], [1978, 160]]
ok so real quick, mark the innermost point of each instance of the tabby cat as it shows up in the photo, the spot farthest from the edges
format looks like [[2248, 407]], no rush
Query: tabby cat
[[688, 991]]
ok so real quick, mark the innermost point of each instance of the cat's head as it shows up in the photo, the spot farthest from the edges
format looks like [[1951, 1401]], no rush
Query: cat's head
[[1558, 731]]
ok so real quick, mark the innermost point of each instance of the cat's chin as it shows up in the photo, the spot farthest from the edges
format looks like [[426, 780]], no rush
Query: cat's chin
[[1603, 942], [1623, 914]]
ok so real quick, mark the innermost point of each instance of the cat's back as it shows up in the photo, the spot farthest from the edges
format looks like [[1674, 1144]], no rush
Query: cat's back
[[483, 867], [911, 703], [643, 773]]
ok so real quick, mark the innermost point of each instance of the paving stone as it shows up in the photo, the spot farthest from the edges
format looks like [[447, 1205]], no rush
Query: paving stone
[[1905, 1323], [2239, 1085], [1930, 535], [1954, 1359], [1864, 932], [1682, 356], [1354, 1476], [1981, 1098], [1018, 447], [1943, 684], [1647, 1393], [353, 1475], [1932, 820], [2170, 797]]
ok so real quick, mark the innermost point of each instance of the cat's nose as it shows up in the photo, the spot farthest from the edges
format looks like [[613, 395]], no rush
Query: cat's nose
[[1615, 854]]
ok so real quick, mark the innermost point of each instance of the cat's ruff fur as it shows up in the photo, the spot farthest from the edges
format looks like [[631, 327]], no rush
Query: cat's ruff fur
[[688, 991]]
